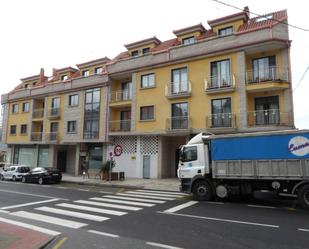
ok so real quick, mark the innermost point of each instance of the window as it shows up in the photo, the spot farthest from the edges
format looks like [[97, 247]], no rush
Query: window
[[26, 106], [188, 40], [264, 18], [92, 100], [55, 106], [23, 129], [53, 131], [13, 129], [73, 100], [146, 50], [179, 80], [71, 127], [26, 86], [34, 83], [85, 73], [179, 119], [221, 113], [188, 154], [264, 69], [226, 31], [126, 88], [267, 110], [98, 70], [220, 74], [64, 77], [15, 108], [134, 53], [125, 120], [147, 80], [147, 113], [91, 129]]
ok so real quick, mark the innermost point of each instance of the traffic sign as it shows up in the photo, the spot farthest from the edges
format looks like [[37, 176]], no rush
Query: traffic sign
[[117, 150]]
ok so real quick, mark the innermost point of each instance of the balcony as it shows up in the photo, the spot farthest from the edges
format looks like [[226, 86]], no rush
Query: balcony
[[38, 113], [91, 135], [272, 117], [220, 83], [52, 137], [221, 121], [178, 123], [178, 90], [268, 79], [120, 98], [36, 136], [54, 113], [120, 125]]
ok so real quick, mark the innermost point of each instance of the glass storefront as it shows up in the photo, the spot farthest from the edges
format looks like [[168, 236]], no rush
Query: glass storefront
[[26, 156], [43, 157], [95, 157]]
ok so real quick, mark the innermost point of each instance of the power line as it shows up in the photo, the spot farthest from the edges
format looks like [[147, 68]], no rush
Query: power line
[[283, 22], [301, 79]]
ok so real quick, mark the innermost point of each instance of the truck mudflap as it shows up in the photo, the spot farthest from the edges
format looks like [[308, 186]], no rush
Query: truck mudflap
[[185, 185]]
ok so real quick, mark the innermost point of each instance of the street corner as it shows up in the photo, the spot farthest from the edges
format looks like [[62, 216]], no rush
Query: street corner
[[16, 237]]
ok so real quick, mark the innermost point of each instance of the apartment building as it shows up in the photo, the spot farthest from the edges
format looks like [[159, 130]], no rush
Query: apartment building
[[232, 77]]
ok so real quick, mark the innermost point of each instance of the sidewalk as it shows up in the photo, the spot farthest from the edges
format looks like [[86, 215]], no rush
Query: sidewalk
[[168, 184]]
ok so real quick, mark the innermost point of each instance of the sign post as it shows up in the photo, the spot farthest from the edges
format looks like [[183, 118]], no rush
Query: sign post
[[110, 167]]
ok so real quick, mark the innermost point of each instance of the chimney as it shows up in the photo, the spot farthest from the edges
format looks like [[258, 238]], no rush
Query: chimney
[[54, 71], [247, 12], [42, 76]]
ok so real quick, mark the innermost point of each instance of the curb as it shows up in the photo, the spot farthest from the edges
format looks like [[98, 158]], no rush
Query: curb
[[48, 242]]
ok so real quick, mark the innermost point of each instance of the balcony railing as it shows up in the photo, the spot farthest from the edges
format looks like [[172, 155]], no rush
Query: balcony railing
[[276, 74], [91, 134], [220, 120], [118, 96], [54, 113], [38, 113], [218, 82], [179, 89], [269, 117], [36, 136], [120, 125], [178, 123], [52, 136]]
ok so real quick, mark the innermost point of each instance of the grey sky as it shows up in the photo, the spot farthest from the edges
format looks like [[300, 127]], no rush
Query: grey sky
[[60, 33]]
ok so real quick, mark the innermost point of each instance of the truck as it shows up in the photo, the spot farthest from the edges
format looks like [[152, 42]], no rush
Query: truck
[[220, 166]]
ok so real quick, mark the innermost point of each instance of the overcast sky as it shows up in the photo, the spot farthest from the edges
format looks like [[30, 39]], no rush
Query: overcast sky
[[61, 33]]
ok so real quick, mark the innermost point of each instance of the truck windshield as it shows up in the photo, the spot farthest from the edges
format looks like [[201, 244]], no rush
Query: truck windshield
[[188, 154]]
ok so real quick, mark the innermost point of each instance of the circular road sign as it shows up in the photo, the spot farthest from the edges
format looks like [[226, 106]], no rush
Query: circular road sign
[[117, 150]]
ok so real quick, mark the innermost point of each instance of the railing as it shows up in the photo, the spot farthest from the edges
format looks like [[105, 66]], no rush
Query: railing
[[277, 74], [54, 112], [269, 117], [220, 120], [174, 89], [52, 136], [118, 96], [120, 125], [220, 82], [178, 123], [38, 113], [91, 134], [36, 136]]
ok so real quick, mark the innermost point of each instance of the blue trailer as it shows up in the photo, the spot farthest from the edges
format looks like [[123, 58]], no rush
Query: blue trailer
[[237, 164]]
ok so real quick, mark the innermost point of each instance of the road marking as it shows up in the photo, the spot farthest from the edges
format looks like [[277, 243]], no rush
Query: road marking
[[60, 243], [28, 204], [32, 227], [108, 205], [73, 214], [104, 234], [215, 202], [260, 206], [134, 203], [147, 196], [303, 230], [162, 245], [134, 199], [49, 219], [92, 209], [62, 187], [223, 220], [22, 193], [162, 192], [179, 207], [82, 189], [106, 192], [4, 211], [151, 194]]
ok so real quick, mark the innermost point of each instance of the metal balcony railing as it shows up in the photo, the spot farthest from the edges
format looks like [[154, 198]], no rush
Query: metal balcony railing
[[220, 82], [269, 117], [221, 120], [38, 113], [36, 136], [54, 113], [52, 136], [91, 134], [178, 89], [120, 125], [118, 96], [178, 123], [277, 74]]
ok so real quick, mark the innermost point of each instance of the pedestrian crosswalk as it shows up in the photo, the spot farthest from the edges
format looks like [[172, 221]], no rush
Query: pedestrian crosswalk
[[97, 209]]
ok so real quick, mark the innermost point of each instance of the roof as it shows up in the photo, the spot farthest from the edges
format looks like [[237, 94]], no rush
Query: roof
[[94, 62], [199, 27], [34, 77], [240, 15], [143, 42], [66, 69]]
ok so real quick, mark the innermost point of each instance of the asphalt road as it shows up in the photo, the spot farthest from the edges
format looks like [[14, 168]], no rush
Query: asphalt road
[[88, 217]]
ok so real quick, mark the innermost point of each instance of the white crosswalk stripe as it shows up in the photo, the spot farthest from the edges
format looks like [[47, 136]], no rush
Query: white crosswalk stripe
[[134, 199], [147, 196], [109, 205], [162, 192], [92, 209], [73, 214], [151, 194], [123, 202], [49, 219]]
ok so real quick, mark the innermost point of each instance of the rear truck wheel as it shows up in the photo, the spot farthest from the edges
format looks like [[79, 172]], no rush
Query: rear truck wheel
[[40, 181], [202, 191], [23, 179], [14, 178], [1, 177], [303, 196]]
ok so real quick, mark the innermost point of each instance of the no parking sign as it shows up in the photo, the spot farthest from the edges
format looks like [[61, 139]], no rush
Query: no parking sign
[[117, 150]]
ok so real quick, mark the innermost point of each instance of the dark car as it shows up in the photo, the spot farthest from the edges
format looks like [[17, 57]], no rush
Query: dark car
[[43, 175]]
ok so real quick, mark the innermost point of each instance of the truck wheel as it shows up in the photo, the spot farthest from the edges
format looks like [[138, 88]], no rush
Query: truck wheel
[[23, 179], [40, 181], [14, 178], [303, 196], [202, 191]]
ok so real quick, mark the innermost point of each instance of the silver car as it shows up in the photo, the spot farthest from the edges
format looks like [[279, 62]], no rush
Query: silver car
[[15, 172]]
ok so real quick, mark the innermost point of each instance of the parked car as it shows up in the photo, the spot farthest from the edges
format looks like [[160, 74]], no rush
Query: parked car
[[42, 175], [15, 172]]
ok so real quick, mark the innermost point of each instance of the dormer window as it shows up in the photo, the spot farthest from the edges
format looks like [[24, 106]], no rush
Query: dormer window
[[264, 18], [226, 31], [34, 83], [98, 70], [64, 77], [134, 53], [188, 40], [146, 50], [26, 86], [85, 73]]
